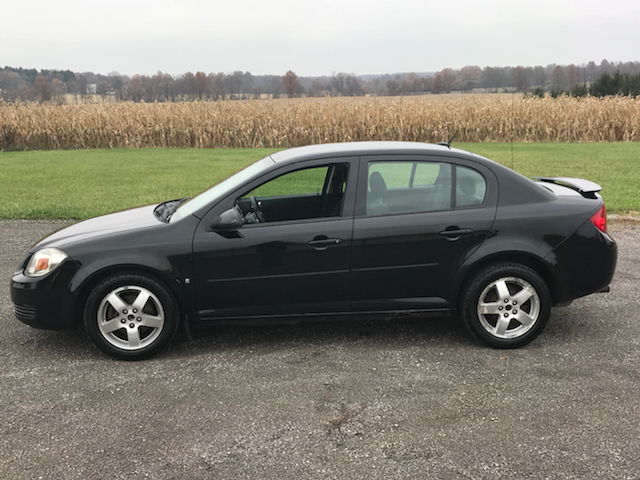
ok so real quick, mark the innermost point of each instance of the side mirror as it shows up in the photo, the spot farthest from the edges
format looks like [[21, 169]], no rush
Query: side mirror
[[229, 219]]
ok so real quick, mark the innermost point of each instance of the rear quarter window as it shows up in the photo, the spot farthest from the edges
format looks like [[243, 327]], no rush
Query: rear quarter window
[[471, 187]]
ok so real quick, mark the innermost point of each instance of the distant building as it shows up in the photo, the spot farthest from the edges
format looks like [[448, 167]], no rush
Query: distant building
[[92, 88]]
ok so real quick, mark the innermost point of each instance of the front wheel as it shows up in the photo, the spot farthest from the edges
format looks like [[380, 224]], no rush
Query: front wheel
[[506, 305], [130, 316]]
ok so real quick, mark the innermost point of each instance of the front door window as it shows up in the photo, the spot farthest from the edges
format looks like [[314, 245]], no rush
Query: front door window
[[302, 194]]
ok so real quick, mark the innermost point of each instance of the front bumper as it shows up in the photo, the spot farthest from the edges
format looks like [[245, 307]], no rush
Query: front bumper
[[46, 302]]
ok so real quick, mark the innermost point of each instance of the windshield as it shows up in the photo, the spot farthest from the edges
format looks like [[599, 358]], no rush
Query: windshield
[[221, 189]]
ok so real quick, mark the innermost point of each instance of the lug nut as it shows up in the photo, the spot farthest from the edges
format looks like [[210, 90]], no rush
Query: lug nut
[[515, 311], [506, 300], [515, 303], [122, 320], [139, 319], [506, 315], [131, 325], [135, 310], [125, 312], [500, 308]]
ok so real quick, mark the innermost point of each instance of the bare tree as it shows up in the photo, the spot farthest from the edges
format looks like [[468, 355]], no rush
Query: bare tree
[[234, 83], [58, 90], [247, 83], [137, 88], [42, 88], [203, 85], [449, 76], [291, 84], [495, 78], [469, 77], [163, 88], [521, 78], [539, 76], [411, 83], [218, 89], [438, 83], [318, 88], [10, 84], [559, 79], [352, 85], [118, 83], [573, 76], [103, 87], [605, 67], [189, 85]]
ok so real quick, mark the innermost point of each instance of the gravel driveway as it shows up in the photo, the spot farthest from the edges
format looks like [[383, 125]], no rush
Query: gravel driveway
[[408, 398]]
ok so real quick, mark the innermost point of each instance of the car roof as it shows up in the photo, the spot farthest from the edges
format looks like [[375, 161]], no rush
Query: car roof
[[367, 148]]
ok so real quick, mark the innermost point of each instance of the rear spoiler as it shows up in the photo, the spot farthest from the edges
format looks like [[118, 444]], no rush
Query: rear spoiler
[[584, 187]]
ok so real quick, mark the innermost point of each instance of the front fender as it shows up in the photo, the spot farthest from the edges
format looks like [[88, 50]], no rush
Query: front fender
[[164, 253], [175, 275]]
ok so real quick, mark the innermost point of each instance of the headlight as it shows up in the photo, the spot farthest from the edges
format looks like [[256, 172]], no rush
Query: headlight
[[44, 261]]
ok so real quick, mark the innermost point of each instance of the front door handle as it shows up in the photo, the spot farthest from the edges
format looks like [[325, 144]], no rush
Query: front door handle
[[453, 233], [322, 242]]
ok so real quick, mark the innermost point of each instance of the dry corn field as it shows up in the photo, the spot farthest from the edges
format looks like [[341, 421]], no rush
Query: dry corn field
[[287, 123]]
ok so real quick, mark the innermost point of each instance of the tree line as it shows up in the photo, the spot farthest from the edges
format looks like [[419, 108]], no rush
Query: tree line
[[625, 84], [606, 78]]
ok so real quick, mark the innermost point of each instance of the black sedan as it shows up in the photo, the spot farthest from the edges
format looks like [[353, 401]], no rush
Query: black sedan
[[326, 231]]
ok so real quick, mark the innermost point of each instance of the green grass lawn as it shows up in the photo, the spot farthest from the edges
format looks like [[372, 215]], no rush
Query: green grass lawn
[[614, 166], [85, 183]]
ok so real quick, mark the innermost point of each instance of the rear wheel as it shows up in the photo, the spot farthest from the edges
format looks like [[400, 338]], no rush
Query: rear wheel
[[506, 305], [130, 316]]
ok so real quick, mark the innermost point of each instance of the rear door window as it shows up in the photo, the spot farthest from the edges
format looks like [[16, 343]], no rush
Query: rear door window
[[408, 187]]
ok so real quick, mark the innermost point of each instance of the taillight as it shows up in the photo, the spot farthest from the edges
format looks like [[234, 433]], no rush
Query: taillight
[[599, 219]]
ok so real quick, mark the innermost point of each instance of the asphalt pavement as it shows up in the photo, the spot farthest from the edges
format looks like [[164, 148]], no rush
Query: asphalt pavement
[[395, 399]]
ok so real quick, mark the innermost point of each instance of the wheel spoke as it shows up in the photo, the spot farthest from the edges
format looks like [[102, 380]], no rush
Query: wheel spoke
[[133, 337], [501, 325], [141, 300], [523, 295], [116, 302], [111, 325], [151, 321], [524, 318], [502, 289], [489, 308]]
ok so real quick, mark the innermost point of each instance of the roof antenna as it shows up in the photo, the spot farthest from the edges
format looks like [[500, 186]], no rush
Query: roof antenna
[[513, 108], [447, 144]]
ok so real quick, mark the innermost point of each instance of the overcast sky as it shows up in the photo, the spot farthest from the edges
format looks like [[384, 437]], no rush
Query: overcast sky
[[313, 37]]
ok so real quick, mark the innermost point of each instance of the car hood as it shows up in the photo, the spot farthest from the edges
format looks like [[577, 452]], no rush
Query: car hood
[[112, 223]]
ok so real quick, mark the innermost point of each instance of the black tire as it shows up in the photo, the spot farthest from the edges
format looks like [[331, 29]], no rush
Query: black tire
[[506, 305], [130, 316]]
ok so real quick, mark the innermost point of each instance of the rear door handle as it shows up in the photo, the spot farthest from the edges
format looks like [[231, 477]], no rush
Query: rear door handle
[[321, 242], [453, 233]]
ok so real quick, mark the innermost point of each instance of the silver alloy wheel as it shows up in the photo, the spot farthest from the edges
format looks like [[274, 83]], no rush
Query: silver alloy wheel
[[130, 317], [508, 307]]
